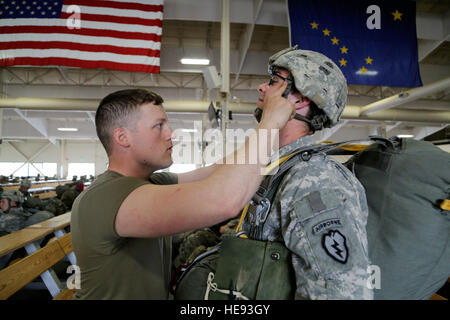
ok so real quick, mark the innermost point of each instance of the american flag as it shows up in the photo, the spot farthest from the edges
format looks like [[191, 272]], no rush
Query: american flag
[[114, 34]]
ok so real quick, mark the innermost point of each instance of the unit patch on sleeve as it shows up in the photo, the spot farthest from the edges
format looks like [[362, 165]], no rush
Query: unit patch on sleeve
[[327, 224], [335, 246]]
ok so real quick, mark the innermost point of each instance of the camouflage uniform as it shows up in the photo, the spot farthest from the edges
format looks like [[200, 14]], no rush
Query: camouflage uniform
[[15, 217], [54, 205], [320, 213], [13, 220], [320, 209]]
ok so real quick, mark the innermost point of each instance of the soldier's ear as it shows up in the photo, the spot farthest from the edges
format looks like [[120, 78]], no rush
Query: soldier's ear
[[120, 137]]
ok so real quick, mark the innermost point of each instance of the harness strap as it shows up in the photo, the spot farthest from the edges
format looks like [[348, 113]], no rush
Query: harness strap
[[445, 204], [264, 188], [304, 154]]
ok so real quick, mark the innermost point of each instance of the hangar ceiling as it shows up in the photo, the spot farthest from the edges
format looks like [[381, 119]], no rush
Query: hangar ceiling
[[36, 101]]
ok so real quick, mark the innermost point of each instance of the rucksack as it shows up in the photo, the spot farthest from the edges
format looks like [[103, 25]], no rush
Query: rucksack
[[408, 232]]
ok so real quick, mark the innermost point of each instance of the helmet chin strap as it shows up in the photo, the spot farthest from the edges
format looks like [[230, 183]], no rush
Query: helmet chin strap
[[316, 123], [300, 106]]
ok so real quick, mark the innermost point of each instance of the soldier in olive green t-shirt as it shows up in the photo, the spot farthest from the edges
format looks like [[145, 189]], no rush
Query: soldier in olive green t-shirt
[[120, 225], [102, 254]]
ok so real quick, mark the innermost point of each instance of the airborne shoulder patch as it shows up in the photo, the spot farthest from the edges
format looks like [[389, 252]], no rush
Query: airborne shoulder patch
[[327, 224]]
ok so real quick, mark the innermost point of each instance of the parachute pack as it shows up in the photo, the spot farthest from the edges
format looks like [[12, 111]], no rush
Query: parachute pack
[[407, 185]]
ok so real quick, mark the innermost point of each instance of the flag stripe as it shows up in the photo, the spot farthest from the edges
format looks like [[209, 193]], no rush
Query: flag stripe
[[84, 31], [84, 24], [80, 39], [115, 5], [80, 63], [77, 46], [114, 12], [72, 54], [115, 19], [148, 2]]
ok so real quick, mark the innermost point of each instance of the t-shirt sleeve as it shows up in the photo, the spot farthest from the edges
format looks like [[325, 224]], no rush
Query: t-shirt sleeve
[[164, 178], [104, 203]]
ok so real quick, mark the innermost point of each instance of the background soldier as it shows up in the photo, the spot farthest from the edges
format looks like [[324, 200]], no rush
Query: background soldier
[[12, 215], [30, 203], [25, 184]]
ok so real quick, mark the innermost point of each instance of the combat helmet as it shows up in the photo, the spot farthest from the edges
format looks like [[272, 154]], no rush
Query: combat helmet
[[14, 195], [319, 79], [26, 183]]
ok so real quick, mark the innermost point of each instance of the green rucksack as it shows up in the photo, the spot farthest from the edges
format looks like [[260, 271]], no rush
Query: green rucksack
[[408, 232]]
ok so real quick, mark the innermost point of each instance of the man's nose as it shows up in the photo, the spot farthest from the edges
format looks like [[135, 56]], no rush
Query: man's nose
[[171, 134], [262, 87]]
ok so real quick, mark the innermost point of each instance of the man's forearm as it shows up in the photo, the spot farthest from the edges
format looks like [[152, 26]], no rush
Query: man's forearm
[[238, 182]]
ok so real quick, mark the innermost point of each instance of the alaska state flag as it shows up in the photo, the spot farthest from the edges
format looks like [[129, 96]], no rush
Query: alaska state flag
[[374, 42]]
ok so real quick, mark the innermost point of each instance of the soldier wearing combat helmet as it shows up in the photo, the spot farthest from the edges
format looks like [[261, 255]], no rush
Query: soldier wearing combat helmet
[[320, 210], [318, 214], [25, 184], [12, 215]]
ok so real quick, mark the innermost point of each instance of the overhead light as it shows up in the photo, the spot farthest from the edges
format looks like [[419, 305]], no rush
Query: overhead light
[[188, 130], [67, 129], [203, 62], [405, 136]]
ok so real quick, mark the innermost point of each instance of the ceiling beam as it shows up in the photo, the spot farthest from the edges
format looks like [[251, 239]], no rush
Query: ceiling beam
[[427, 46], [246, 38], [393, 126], [195, 106], [405, 97], [89, 113], [28, 159], [37, 123], [422, 132]]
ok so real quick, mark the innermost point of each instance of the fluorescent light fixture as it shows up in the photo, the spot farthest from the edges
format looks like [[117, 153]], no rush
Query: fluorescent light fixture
[[188, 130], [68, 129], [405, 136], [203, 62]]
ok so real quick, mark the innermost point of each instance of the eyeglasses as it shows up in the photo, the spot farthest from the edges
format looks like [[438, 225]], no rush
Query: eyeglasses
[[273, 80]]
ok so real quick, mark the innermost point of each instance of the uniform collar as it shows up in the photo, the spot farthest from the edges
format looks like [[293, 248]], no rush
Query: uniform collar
[[287, 149]]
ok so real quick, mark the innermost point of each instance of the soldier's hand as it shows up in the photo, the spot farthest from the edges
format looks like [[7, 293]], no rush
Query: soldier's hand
[[277, 111]]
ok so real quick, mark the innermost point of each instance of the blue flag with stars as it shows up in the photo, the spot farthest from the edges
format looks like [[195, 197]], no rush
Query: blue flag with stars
[[374, 42]]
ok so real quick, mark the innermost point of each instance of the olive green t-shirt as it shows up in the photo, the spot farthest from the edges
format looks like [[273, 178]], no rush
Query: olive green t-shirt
[[113, 267]]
